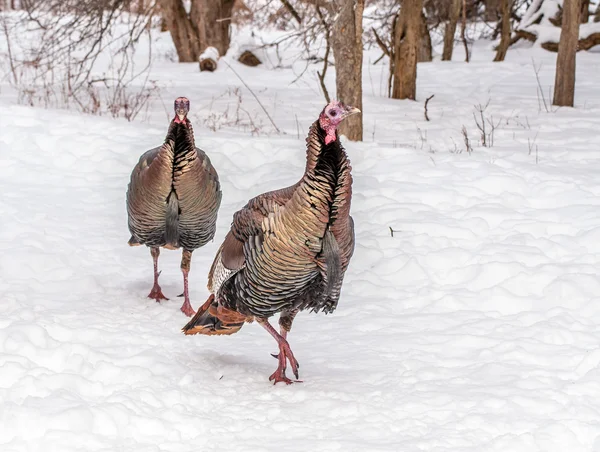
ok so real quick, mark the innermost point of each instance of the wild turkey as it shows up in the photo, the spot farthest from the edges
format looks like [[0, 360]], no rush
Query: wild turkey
[[173, 199], [287, 250]]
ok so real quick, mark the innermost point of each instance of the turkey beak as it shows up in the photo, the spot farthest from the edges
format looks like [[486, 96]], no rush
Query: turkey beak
[[351, 111]]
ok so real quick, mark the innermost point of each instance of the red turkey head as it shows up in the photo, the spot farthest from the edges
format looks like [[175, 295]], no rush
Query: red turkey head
[[182, 107], [331, 117]]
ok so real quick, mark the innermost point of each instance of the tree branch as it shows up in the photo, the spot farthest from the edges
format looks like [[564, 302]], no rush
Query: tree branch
[[426, 102], [381, 44], [252, 92], [292, 10]]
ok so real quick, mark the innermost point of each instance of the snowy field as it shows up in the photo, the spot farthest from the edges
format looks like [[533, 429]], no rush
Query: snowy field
[[475, 327]]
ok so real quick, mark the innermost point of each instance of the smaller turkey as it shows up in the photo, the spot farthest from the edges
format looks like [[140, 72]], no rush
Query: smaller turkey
[[287, 250], [173, 199]]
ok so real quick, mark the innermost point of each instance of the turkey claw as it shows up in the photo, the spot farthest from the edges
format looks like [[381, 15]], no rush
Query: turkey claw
[[278, 377], [276, 356], [156, 294]]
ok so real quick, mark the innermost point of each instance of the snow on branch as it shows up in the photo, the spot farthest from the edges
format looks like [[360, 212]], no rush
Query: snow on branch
[[541, 25]]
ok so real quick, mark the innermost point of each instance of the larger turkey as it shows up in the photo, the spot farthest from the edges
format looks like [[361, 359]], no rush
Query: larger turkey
[[173, 199], [287, 250]]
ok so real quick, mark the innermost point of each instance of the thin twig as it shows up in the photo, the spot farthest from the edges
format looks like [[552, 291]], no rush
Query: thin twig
[[10, 56], [326, 59], [426, 102], [292, 10], [381, 44], [378, 59], [252, 92], [463, 30], [468, 145], [540, 91]]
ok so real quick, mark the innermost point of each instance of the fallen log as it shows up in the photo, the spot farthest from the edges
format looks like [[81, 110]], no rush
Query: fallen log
[[208, 59]]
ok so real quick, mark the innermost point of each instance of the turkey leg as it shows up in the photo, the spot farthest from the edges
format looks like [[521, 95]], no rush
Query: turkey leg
[[156, 292], [285, 325], [186, 259], [285, 354]]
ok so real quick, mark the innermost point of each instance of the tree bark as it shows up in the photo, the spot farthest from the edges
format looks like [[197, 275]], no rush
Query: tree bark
[[506, 32], [585, 11], [213, 19], [183, 32], [406, 37], [450, 30], [207, 25], [346, 42], [425, 50], [564, 82], [597, 15]]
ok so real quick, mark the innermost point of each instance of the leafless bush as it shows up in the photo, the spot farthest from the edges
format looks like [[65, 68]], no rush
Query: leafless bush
[[518, 121], [234, 115], [485, 124], [531, 144], [468, 146], [541, 97], [55, 49]]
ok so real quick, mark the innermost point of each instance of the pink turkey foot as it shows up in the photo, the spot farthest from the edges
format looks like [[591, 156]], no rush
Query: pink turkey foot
[[187, 309], [156, 293], [285, 354]]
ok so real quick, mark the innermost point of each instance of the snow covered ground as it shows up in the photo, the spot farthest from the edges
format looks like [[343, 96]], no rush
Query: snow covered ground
[[473, 328]]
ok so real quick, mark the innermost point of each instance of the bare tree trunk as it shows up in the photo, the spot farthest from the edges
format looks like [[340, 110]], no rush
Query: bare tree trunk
[[585, 11], [450, 30], [207, 25], [425, 50], [597, 15], [183, 32], [564, 82], [505, 34], [213, 19], [463, 30], [406, 37], [346, 42]]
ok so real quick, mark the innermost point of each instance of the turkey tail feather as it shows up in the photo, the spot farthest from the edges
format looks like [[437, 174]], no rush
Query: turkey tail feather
[[331, 253], [206, 322], [172, 220]]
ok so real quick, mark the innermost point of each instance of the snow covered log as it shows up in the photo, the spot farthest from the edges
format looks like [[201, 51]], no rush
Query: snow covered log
[[208, 59], [541, 25], [249, 59], [584, 43]]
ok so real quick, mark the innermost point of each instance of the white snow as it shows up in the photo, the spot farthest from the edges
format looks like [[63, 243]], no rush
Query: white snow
[[473, 328], [211, 53]]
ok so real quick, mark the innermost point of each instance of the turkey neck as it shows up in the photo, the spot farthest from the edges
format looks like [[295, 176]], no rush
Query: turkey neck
[[181, 136], [327, 168]]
